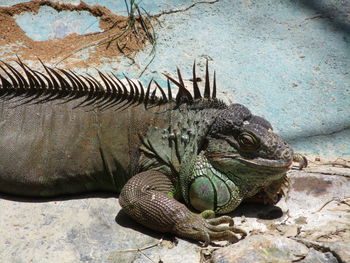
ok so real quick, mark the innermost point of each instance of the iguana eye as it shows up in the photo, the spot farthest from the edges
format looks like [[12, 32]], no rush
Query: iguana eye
[[248, 142]]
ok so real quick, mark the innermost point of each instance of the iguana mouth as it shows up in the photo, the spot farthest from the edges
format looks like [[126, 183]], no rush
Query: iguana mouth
[[268, 164], [258, 162]]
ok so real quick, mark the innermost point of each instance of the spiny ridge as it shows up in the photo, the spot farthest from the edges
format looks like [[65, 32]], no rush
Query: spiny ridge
[[33, 87], [184, 96]]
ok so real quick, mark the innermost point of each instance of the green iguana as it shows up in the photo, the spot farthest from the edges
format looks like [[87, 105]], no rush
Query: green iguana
[[64, 133]]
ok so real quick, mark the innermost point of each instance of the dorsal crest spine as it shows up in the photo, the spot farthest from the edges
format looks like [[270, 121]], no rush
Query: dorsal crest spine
[[34, 87]]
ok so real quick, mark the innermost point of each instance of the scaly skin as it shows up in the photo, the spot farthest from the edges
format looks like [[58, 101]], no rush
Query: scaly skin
[[190, 154], [145, 198]]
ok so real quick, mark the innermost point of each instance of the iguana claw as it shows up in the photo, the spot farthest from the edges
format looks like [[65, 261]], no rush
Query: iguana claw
[[301, 159], [208, 230]]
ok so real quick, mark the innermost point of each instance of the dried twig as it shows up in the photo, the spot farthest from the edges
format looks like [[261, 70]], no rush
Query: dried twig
[[337, 199], [140, 249]]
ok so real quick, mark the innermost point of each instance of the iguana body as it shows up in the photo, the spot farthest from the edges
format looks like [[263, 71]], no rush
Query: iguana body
[[196, 150], [50, 149]]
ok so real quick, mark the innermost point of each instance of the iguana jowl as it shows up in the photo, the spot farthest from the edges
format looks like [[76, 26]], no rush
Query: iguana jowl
[[63, 133]]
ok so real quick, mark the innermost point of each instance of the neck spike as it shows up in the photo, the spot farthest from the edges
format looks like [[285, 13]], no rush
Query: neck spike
[[207, 82]]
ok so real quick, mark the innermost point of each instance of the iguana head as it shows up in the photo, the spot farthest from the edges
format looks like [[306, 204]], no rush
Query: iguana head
[[239, 140], [241, 155]]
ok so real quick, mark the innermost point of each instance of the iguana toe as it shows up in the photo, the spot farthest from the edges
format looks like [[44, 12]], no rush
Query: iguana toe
[[208, 230]]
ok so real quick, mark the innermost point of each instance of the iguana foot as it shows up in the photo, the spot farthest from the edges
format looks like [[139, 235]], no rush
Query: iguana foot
[[301, 159], [195, 226]]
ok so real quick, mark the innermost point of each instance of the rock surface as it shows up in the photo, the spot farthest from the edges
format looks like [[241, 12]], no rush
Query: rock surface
[[310, 224], [269, 248], [88, 229]]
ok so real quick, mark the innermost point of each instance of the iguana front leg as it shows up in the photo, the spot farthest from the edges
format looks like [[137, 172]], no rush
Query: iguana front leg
[[145, 198]]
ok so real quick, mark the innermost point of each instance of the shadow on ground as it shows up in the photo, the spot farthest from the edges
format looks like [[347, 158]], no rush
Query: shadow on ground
[[65, 197], [335, 15]]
